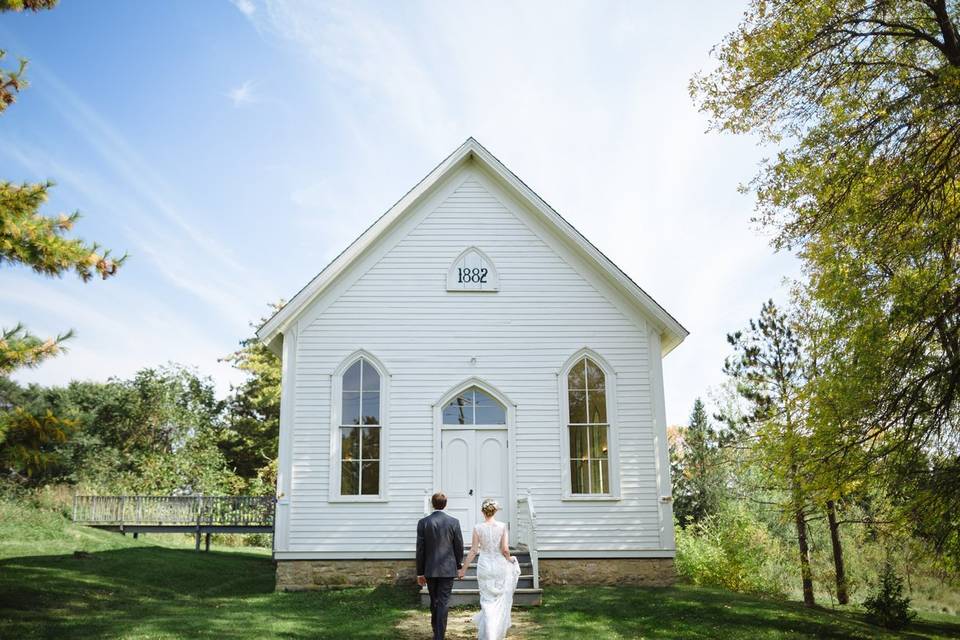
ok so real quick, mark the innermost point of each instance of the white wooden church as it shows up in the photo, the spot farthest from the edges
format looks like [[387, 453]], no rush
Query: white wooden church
[[472, 328]]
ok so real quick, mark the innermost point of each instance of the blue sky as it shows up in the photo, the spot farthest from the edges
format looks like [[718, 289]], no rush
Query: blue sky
[[234, 148]]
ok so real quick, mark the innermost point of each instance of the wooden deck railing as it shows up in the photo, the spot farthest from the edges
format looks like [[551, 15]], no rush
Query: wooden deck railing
[[206, 511]]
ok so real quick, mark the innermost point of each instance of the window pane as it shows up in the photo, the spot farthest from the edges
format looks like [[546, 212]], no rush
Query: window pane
[[578, 442], [459, 411], [350, 411], [349, 443], [371, 443], [371, 479], [598, 442], [482, 399], [598, 407], [491, 415], [349, 478], [578, 476], [371, 407], [371, 379], [598, 476], [351, 379], [576, 379], [578, 406], [594, 375]]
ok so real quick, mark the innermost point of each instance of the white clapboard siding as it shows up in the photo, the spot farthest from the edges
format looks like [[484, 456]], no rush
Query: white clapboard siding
[[399, 311]]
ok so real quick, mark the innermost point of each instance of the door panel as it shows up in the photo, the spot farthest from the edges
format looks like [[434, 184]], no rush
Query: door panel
[[493, 470], [458, 476]]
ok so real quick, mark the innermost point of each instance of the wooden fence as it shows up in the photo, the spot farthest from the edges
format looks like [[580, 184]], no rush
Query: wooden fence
[[231, 511], [177, 514]]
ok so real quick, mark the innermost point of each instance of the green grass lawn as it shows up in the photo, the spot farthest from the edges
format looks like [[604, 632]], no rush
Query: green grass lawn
[[160, 588], [696, 612]]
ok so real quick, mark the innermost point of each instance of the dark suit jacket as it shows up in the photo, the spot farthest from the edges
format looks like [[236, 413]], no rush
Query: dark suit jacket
[[439, 546]]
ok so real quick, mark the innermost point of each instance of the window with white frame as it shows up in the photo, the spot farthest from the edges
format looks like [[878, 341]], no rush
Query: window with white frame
[[360, 430], [588, 428], [474, 406]]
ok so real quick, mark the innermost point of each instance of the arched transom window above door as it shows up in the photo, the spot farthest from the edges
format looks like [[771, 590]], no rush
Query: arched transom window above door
[[474, 406]]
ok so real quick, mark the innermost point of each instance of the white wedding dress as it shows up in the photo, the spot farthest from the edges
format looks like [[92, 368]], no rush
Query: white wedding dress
[[497, 580]]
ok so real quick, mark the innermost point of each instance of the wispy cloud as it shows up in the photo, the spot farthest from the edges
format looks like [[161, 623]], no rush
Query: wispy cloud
[[244, 94], [246, 7], [162, 228]]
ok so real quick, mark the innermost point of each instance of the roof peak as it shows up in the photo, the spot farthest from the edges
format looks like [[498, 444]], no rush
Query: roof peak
[[270, 331]]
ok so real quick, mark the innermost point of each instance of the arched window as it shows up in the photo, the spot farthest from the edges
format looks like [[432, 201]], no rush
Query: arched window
[[360, 429], [474, 406], [588, 428]]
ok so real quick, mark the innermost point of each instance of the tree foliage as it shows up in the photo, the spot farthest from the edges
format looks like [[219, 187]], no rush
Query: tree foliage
[[863, 99], [157, 432], [29, 442], [697, 469], [253, 414], [769, 368], [11, 80]]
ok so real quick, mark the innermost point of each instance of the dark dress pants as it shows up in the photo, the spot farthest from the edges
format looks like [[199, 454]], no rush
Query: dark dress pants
[[440, 589]]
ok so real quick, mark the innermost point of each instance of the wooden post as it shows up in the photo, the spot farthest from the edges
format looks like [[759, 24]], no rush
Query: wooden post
[[207, 546], [74, 507], [199, 508]]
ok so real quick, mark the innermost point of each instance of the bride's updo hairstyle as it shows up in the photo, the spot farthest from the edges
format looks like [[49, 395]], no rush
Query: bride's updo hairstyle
[[489, 507]]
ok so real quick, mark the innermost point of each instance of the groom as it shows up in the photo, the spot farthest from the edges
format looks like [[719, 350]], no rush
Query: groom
[[439, 557]]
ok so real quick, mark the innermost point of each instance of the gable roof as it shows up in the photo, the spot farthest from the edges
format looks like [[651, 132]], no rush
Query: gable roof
[[672, 332]]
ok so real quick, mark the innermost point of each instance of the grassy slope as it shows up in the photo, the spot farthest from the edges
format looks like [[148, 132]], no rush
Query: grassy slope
[[158, 588], [139, 589]]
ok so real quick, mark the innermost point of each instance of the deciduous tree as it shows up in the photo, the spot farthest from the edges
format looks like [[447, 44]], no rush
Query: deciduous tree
[[862, 99]]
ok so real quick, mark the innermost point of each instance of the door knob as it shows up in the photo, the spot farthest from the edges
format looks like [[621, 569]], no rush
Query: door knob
[[471, 492]]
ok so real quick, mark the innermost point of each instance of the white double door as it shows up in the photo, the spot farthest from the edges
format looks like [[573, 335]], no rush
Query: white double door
[[475, 466]]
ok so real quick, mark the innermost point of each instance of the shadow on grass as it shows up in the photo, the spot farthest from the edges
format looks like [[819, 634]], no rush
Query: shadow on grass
[[171, 593], [692, 612]]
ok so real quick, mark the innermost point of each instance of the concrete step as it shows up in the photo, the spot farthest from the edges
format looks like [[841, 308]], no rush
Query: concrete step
[[526, 597]]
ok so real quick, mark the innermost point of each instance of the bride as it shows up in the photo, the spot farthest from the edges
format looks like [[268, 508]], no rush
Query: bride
[[497, 573]]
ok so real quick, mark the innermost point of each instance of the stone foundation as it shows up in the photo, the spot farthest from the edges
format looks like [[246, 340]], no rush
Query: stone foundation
[[642, 572], [307, 575]]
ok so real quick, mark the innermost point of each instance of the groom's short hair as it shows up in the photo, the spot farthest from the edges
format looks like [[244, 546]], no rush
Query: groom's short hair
[[439, 500]]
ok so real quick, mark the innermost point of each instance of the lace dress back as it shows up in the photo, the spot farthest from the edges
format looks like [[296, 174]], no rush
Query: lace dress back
[[490, 535], [496, 580]]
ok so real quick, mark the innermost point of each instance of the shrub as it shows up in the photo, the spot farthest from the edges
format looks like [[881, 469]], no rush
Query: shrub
[[733, 550], [888, 607]]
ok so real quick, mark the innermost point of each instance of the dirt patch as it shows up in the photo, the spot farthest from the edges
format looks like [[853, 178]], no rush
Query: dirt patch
[[416, 625]]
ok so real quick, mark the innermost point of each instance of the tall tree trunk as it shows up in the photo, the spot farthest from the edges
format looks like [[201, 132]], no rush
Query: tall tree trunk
[[838, 568], [805, 572]]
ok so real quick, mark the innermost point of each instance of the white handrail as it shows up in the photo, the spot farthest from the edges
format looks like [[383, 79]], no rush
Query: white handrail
[[426, 503], [527, 533]]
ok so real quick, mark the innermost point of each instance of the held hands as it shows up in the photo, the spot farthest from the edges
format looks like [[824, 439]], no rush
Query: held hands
[[422, 581], [513, 558], [461, 572]]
